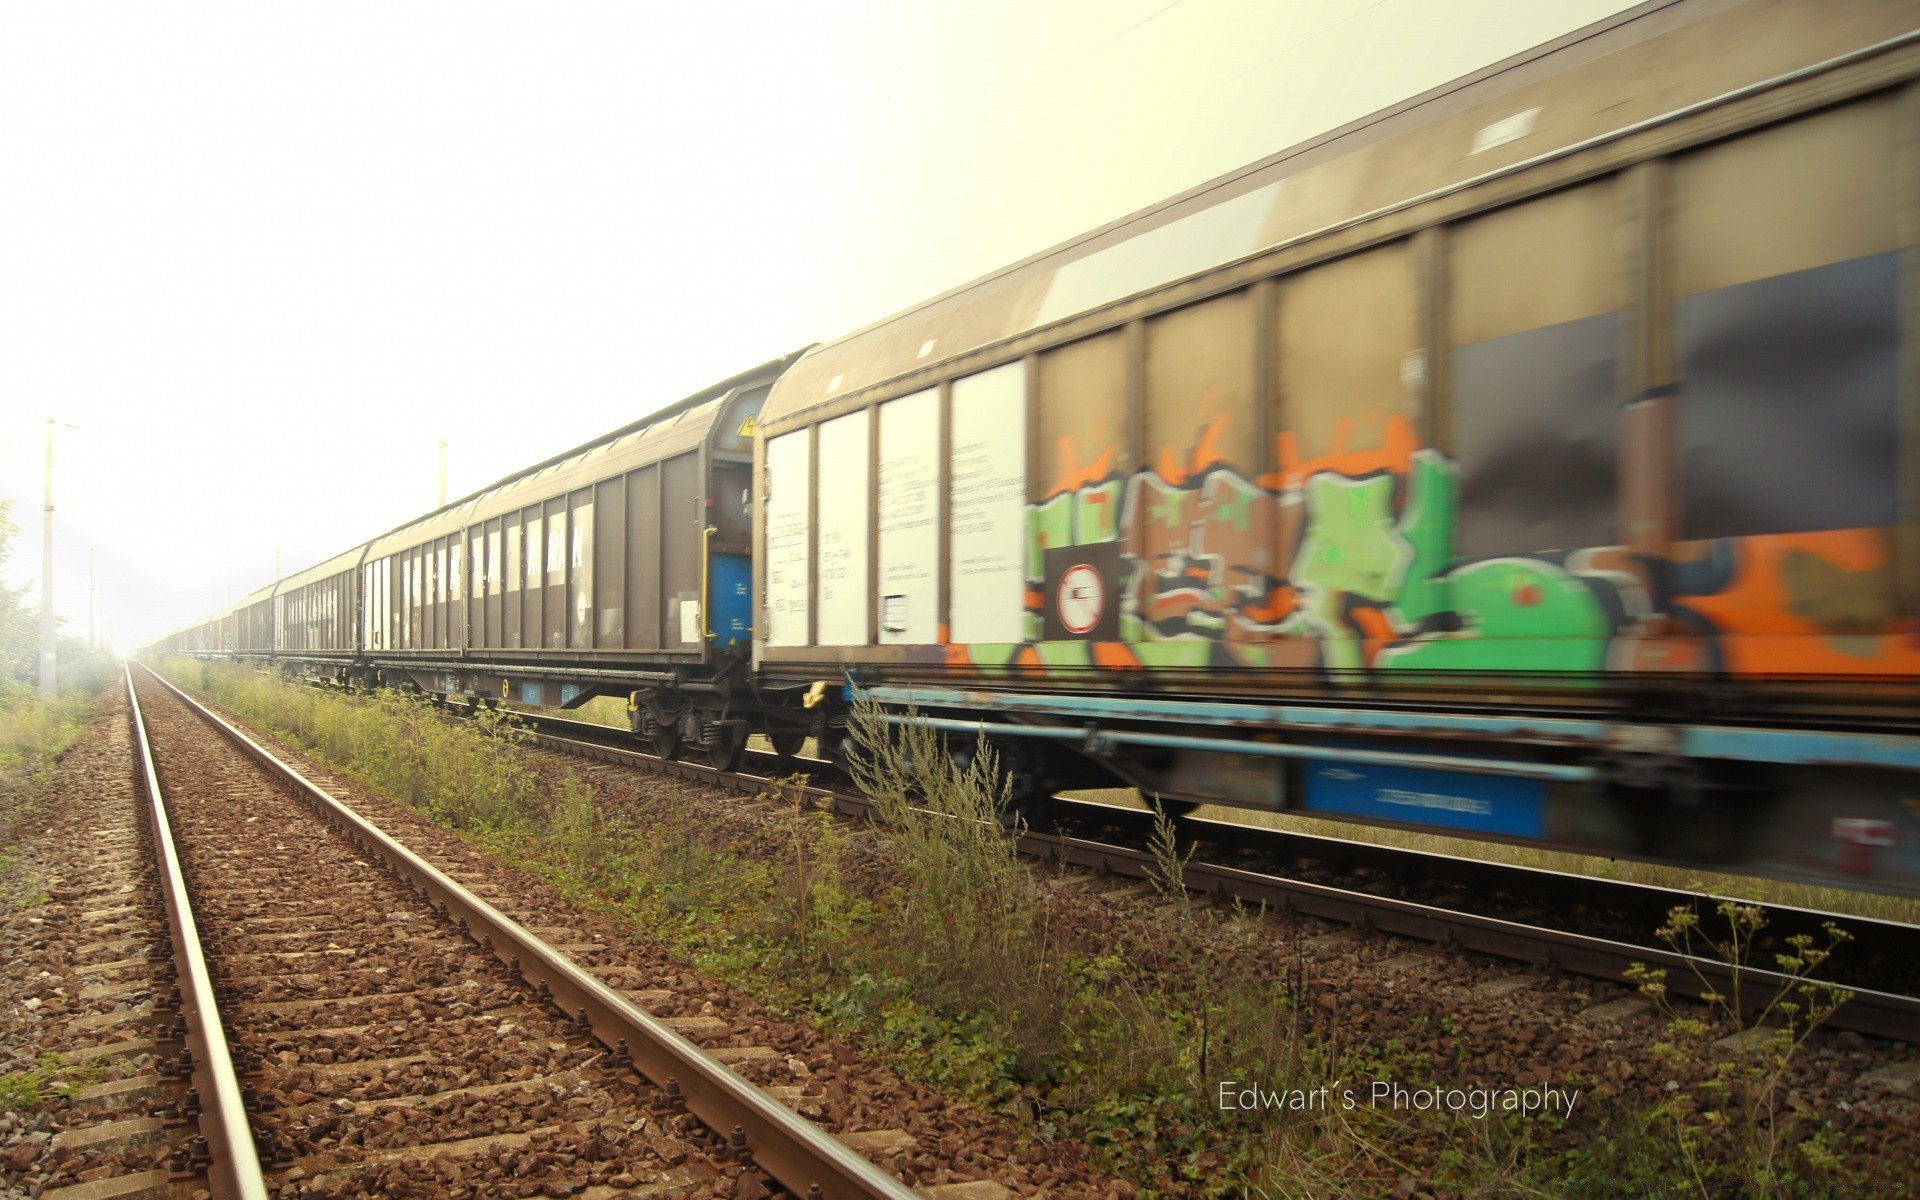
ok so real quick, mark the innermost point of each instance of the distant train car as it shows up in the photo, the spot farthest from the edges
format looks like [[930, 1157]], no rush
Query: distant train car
[[1444, 470], [317, 612], [620, 567]]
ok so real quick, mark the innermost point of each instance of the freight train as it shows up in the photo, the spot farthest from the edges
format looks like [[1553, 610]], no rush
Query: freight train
[[1538, 459]]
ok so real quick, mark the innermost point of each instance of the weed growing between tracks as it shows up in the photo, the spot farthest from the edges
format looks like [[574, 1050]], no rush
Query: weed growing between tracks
[[1731, 1125], [49, 1078], [35, 733], [1093, 1021]]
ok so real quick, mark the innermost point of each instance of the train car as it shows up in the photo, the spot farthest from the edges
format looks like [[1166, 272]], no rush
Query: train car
[[621, 567], [253, 633], [1538, 459], [317, 615]]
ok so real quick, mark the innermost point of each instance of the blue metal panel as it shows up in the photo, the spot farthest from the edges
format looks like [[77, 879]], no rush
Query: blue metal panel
[[1473, 803], [731, 590], [1802, 746], [531, 693]]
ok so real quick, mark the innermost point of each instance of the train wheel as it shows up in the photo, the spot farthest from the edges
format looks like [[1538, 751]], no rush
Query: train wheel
[[787, 745], [728, 745], [664, 740]]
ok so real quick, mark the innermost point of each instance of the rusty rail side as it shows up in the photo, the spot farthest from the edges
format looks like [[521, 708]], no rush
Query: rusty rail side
[[233, 1169], [786, 1145]]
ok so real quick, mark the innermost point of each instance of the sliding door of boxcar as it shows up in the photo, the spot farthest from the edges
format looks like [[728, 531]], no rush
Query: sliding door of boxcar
[[580, 622], [496, 581], [643, 559], [609, 564], [509, 598], [681, 520], [555, 601], [532, 556], [477, 588], [457, 573]]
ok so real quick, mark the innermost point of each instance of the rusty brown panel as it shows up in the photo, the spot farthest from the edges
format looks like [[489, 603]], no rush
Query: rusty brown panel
[[1649, 490], [1814, 191], [1347, 328], [1081, 413], [1538, 263], [1534, 328], [1647, 483], [1200, 387], [644, 606]]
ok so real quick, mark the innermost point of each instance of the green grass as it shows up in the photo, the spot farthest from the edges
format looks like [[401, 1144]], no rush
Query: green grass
[[26, 1091], [35, 733]]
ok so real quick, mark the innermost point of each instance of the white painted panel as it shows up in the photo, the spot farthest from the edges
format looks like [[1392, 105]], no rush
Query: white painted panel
[[989, 473], [789, 463], [846, 504], [909, 584]]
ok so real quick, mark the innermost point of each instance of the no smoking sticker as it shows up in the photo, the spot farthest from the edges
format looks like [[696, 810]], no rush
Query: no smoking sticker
[[1082, 598]]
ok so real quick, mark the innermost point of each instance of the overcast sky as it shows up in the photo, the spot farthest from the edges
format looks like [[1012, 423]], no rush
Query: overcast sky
[[259, 258]]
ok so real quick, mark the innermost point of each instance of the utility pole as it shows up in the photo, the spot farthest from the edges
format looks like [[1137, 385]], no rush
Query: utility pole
[[93, 639], [443, 474], [49, 688]]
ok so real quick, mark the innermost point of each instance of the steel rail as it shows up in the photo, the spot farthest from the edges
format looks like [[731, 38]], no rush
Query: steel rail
[[1882, 1014], [233, 1169], [795, 1151], [1879, 1013]]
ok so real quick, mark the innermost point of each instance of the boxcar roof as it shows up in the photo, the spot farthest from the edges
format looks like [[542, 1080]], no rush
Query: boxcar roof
[[672, 430], [1631, 69], [346, 560]]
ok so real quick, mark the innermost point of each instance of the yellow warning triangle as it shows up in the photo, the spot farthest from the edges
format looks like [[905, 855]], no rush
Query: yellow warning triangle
[[746, 427]]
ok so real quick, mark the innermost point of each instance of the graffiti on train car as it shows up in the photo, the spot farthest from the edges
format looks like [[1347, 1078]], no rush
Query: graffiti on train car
[[1345, 561]]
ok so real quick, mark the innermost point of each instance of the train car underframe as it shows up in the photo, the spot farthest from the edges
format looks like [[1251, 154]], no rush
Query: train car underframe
[[1833, 808]]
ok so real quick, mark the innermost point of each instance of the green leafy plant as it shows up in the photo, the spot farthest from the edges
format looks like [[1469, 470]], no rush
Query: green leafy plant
[[1732, 1126]]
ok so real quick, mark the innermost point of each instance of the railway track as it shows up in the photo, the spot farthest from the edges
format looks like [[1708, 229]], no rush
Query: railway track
[[1551, 919], [361, 1024]]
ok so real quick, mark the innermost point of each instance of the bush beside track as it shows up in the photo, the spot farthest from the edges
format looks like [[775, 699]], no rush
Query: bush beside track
[[1095, 1020]]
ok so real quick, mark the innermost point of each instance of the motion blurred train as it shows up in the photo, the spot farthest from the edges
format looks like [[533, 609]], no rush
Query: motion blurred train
[[1538, 460]]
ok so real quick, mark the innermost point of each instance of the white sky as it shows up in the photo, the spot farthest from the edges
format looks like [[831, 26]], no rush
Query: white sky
[[262, 257]]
